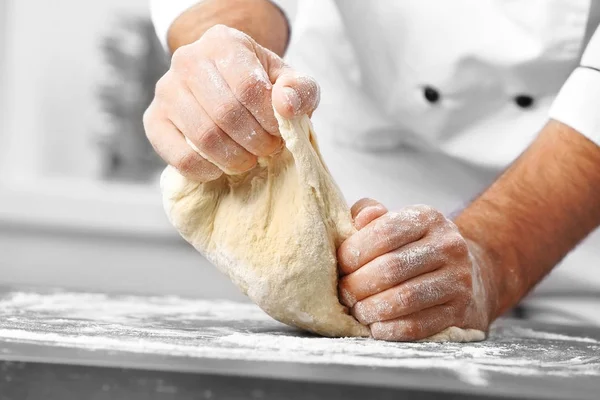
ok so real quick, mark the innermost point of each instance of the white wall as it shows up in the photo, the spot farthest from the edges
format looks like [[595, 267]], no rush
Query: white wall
[[53, 67]]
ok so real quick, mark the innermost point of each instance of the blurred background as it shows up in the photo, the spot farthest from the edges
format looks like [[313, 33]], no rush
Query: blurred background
[[80, 205]]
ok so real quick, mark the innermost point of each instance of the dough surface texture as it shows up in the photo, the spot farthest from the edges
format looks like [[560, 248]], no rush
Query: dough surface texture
[[274, 231]]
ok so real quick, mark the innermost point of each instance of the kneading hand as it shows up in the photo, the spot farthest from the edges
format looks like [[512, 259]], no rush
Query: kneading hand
[[411, 274], [213, 110]]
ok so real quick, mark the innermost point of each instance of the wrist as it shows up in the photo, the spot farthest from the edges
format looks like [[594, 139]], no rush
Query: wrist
[[261, 20], [484, 279], [502, 280]]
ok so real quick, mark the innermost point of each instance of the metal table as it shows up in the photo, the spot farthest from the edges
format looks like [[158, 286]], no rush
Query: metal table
[[61, 345]]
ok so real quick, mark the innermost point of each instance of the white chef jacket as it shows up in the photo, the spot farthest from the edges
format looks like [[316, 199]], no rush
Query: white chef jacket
[[426, 101]]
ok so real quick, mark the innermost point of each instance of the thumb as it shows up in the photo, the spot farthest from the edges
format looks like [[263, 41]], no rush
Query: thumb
[[294, 94]]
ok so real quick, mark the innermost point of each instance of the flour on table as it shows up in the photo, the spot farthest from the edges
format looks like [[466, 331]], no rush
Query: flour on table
[[274, 231], [181, 328]]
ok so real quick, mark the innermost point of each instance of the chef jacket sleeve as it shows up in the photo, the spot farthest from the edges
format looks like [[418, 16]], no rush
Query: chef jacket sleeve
[[578, 102], [165, 12]]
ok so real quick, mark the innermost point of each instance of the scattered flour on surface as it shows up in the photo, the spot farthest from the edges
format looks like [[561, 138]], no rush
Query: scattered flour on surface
[[190, 328], [530, 333], [92, 306]]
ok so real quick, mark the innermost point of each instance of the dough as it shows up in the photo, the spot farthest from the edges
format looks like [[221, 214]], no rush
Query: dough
[[274, 231], [455, 334]]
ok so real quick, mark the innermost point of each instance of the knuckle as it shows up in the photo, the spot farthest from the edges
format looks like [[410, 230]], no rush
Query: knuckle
[[391, 223], [218, 31], [455, 245], [424, 209], [182, 57], [428, 214], [390, 270], [210, 140], [434, 215], [405, 298], [147, 118], [212, 144], [253, 89], [394, 218], [187, 164], [411, 329], [228, 114], [414, 215], [163, 86], [152, 114]]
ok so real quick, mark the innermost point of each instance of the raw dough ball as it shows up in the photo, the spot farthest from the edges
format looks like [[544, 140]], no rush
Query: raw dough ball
[[274, 231]]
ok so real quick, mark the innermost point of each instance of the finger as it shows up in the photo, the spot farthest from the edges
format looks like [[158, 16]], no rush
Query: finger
[[294, 94], [385, 234], [215, 96], [417, 294], [202, 134], [364, 211], [394, 268], [417, 326], [251, 86], [172, 147]]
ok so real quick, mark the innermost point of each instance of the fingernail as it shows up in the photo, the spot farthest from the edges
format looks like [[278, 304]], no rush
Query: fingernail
[[293, 99]]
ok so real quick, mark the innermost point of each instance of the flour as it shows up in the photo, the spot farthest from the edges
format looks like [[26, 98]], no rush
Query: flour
[[471, 363], [553, 336], [92, 306], [202, 329]]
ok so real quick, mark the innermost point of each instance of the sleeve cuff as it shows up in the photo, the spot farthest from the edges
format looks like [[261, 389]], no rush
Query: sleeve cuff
[[164, 13], [591, 56], [578, 103], [288, 7]]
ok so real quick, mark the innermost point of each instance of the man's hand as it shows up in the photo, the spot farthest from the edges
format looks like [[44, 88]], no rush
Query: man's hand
[[410, 274], [213, 110]]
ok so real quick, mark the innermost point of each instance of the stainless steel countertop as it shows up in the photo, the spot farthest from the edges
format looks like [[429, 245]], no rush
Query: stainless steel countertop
[[223, 338]]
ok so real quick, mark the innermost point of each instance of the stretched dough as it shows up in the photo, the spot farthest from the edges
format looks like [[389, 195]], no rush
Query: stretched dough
[[274, 231]]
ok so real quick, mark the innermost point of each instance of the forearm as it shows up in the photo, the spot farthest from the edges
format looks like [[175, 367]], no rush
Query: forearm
[[260, 19], [536, 212]]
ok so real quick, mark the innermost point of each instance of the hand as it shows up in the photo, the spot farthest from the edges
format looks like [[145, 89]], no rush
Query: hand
[[410, 274], [213, 110]]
